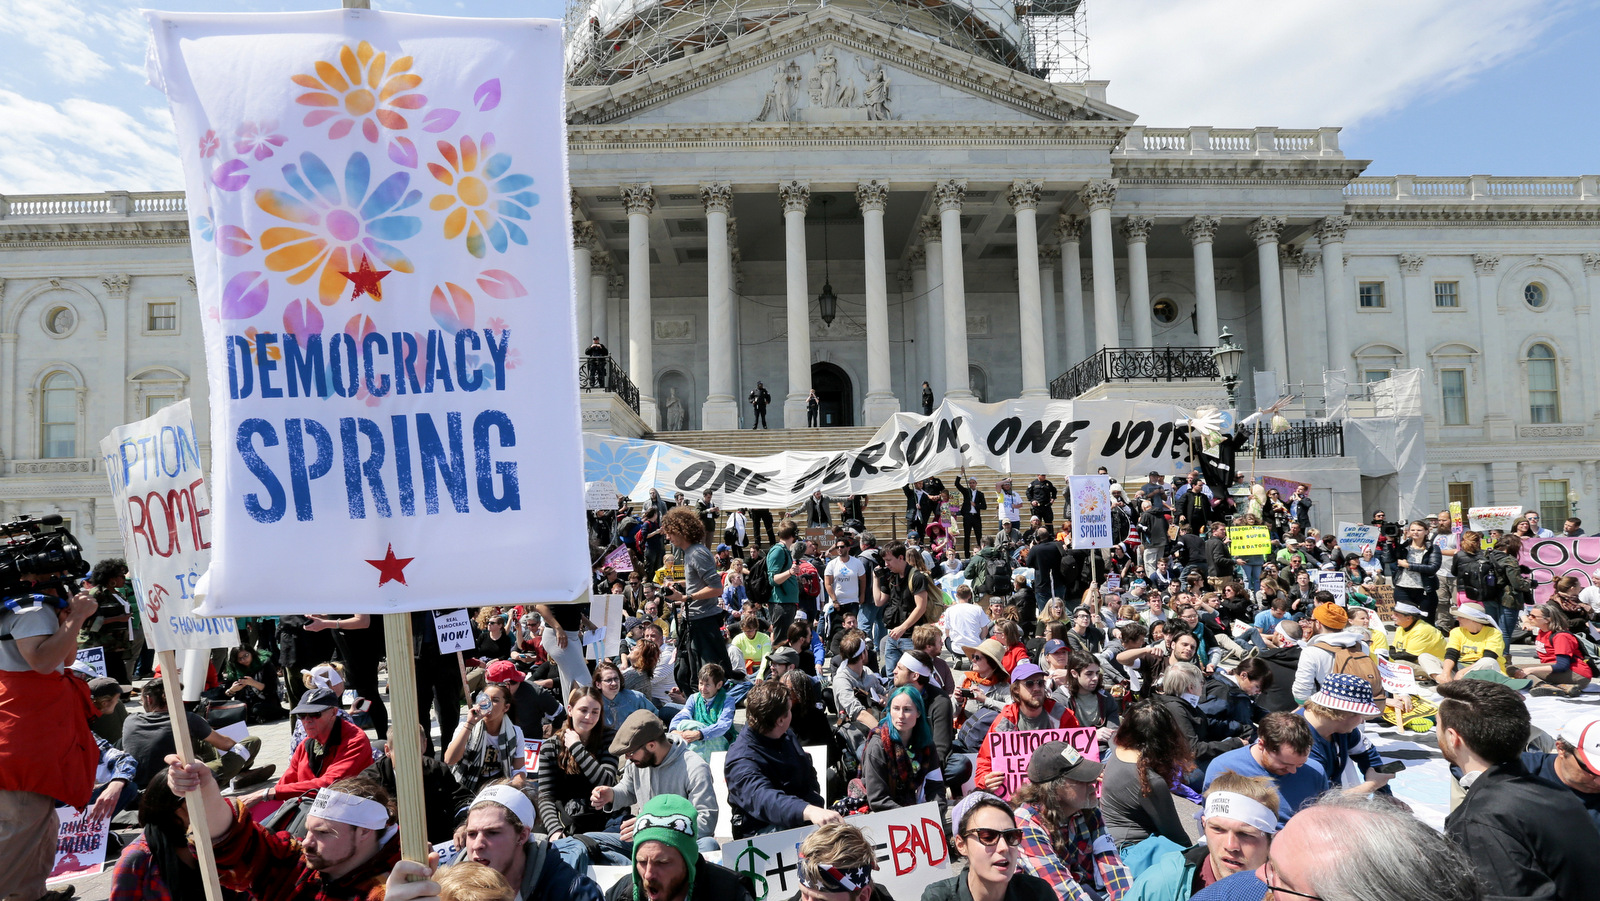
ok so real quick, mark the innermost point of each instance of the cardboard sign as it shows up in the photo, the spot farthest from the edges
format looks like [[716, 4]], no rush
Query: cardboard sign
[[454, 631], [1482, 519], [1354, 535], [1551, 558], [1091, 511], [1334, 584], [910, 843], [81, 847], [1113, 583], [619, 561], [1009, 752], [1244, 541], [95, 658], [1382, 600], [600, 495]]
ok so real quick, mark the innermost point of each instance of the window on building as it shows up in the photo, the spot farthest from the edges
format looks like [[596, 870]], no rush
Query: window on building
[[155, 403], [1374, 375], [163, 317], [1164, 310], [1447, 295], [1460, 493], [1453, 395], [58, 422], [1553, 504], [1544, 395], [60, 321], [1371, 294], [1534, 295]]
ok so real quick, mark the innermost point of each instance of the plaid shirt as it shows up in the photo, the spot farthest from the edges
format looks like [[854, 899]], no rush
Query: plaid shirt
[[136, 877], [1086, 875], [271, 867]]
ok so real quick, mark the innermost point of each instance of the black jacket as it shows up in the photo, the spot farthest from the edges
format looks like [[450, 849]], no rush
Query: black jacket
[[1525, 837], [1428, 569], [1042, 494], [1207, 738], [1191, 549], [1022, 887], [1218, 561], [1282, 662], [711, 883]]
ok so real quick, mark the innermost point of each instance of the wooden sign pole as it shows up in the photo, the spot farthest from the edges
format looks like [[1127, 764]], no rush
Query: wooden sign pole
[[407, 750], [198, 827]]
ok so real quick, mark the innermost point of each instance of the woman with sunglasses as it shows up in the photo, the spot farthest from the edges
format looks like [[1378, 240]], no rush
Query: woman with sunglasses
[[1562, 669], [988, 837]]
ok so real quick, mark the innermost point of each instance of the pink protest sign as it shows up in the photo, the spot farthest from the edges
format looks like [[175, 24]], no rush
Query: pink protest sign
[[1551, 558], [1009, 752]]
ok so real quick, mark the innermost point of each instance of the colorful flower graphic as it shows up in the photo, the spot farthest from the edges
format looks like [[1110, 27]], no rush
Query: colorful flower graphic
[[344, 221], [258, 138], [620, 461], [209, 144], [360, 89], [483, 198]]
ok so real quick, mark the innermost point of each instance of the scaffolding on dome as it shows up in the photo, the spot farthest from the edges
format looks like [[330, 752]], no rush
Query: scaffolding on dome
[[611, 40]]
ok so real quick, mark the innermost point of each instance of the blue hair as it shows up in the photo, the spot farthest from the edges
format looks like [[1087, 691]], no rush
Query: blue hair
[[921, 734]]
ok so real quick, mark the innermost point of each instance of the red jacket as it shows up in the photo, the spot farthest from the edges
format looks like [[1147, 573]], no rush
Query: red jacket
[[45, 743], [1008, 721], [1014, 655], [351, 754]]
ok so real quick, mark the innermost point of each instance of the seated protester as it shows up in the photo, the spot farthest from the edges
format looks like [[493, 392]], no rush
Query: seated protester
[[1328, 638], [900, 765], [158, 863], [1237, 824], [1336, 713], [780, 663], [1010, 636], [858, 693], [1282, 750], [1417, 641], [442, 796], [837, 861], [494, 642], [334, 749], [772, 784], [1230, 696], [643, 662], [498, 834], [657, 764], [1378, 637], [987, 835], [929, 639], [707, 720], [753, 644], [574, 764], [147, 735], [666, 863], [464, 881], [986, 685], [1083, 694], [1562, 668], [1282, 657], [964, 620], [1575, 762], [106, 695], [1129, 659], [620, 702], [489, 745], [1031, 707], [1149, 755], [329, 676], [1181, 687], [1268, 619], [1474, 644], [534, 705], [351, 841], [1064, 839], [1084, 634], [663, 686], [812, 724], [250, 676]]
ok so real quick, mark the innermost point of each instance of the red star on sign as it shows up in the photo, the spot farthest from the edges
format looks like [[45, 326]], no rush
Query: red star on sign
[[365, 279], [391, 568]]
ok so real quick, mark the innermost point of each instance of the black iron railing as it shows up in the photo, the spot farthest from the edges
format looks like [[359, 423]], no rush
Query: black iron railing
[[1128, 364], [1305, 438], [603, 374]]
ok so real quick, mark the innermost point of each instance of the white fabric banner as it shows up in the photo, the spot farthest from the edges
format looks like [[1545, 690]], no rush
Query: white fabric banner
[[381, 241], [164, 514], [1091, 511], [1058, 437]]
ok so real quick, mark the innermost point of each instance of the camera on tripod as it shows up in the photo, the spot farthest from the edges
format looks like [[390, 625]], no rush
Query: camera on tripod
[[37, 555]]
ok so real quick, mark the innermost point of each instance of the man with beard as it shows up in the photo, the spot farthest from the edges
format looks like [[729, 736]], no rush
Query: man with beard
[[1239, 820], [1064, 839], [667, 865], [1031, 707], [496, 834], [657, 763]]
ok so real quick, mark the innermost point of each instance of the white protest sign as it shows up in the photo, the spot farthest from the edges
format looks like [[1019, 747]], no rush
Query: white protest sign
[[94, 658], [599, 495], [1353, 535], [1482, 519], [1091, 511], [605, 611], [910, 844], [1397, 677], [454, 631], [1334, 584], [81, 845], [163, 513], [531, 748], [1113, 583]]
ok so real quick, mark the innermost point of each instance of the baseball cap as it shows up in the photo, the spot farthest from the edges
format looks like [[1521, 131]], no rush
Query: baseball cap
[[723, 547], [316, 700], [1024, 670], [785, 656], [1583, 734], [1051, 646], [102, 685], [639, 729], [504, 671], [1055, 759]]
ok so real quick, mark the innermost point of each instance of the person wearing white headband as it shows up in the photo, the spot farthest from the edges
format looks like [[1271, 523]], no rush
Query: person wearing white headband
[[497, 833], [1237, 824]]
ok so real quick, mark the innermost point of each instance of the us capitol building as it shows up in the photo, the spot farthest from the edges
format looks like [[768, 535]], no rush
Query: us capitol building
[[862, 195]]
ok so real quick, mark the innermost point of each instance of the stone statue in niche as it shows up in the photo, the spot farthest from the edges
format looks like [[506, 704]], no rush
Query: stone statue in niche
[[676, 417], [876, 97], [826, 87], [780, 101]]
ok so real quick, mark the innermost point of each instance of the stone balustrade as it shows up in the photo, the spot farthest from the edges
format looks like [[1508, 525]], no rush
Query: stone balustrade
[[1471, 189], [1207, 141], [103, 205]]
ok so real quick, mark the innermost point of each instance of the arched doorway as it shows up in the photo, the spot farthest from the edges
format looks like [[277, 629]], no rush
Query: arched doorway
[[835, 404]]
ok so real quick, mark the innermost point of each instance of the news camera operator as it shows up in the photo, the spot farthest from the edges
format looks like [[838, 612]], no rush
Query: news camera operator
[[47, 753]]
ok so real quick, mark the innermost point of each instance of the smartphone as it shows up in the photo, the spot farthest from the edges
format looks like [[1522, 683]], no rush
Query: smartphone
[[1390, 768]]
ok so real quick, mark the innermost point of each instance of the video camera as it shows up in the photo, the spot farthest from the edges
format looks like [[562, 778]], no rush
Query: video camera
[[37, 555]]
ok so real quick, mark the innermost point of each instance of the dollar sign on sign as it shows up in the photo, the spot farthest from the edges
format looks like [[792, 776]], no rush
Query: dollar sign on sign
[[752, 869]]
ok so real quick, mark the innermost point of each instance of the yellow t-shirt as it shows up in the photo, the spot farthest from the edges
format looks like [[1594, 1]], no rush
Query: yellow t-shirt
[[1379, 637], [1420, 639], [754, 649], [1471, 647]]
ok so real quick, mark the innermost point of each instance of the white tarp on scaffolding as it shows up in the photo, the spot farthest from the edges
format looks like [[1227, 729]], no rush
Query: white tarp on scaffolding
[[1391, 444]]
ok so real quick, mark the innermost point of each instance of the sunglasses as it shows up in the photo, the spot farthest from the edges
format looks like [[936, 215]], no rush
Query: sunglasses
[[991, 837], [1035, 682]]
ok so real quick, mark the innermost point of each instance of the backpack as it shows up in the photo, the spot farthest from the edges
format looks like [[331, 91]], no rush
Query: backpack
[[1482, 580], [1355, 662], [976, 571], [758, 582], [810, 581]]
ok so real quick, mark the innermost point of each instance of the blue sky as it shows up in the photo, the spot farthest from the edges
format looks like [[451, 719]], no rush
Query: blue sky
[[1446, 87]]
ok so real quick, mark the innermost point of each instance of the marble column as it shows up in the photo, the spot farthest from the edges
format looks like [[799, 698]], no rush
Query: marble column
[[1098, 196], [1136, 231], [873, 196], [1074, 323], [958, 379], [583, 239], [933, 252], [1049, 257], [1337, 299], [1265, 231], [1024, 200], [1415, 303], [599, 299], [1202, 232], [796, 197], [720, 409], [640, 201], [1294, 311], [916, 301]]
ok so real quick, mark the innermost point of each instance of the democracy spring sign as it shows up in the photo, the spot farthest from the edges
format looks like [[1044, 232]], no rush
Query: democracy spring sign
[[381, 238]]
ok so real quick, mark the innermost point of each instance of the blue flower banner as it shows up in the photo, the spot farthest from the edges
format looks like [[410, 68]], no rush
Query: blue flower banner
[[379, 220]]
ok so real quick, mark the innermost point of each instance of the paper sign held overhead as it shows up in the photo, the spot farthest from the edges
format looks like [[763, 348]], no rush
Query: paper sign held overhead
[[1245, 541], [600, 495], [1091, 511]]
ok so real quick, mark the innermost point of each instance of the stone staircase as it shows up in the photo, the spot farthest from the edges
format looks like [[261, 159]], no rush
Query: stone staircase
[[885, 511]]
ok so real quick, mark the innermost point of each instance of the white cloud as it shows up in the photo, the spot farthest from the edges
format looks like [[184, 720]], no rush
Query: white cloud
[[82, 145], [62, 33], [1243, 63]]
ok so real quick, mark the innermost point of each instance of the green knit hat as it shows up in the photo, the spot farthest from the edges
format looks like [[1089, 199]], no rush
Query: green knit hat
[[669, 819]]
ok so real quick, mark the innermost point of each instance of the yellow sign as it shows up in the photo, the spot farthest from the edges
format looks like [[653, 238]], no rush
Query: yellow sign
[[1247, 540], [1455, 511]]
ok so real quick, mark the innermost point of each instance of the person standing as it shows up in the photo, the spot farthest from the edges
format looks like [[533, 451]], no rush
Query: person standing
[[597, 355], [927, 399], [1010, 506], [842, 579], [701, 595], [812, 405], [564, 625], [903, 592], [1416, 566], [1042, 499], [973, 503], [783, 571], [760, 399]]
